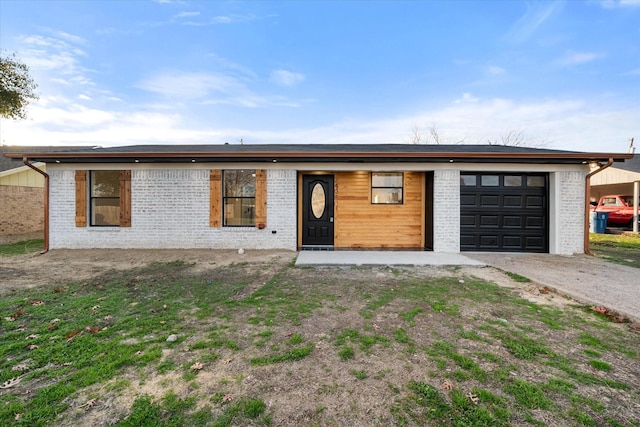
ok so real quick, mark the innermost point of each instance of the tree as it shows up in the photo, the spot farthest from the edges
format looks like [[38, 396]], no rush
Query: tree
[[16, 88], [517, 138], [431, 135]]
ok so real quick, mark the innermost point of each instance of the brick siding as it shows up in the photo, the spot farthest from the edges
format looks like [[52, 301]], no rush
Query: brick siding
[[170, 209], [21, 213], [446, 210]]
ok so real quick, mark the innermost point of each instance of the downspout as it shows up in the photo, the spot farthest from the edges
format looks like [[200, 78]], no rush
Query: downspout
[[587, 196], [25, 160]]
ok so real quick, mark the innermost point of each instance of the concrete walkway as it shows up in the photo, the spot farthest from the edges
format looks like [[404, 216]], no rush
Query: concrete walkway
[[393, 258], [585, 278]]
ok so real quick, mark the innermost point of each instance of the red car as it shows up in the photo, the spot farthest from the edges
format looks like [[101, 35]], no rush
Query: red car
[[620, 208]]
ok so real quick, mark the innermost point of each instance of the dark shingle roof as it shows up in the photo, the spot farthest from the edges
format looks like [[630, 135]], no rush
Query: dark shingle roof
[[8, 164], [319, 153]]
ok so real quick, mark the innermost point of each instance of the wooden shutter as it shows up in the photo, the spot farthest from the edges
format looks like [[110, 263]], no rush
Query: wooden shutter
[[215, 198], [125, 198], [81, 198], [261, 198]]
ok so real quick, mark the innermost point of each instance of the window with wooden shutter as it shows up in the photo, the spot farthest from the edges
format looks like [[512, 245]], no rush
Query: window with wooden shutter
[[215, 198], [109, 198], [81, 198]]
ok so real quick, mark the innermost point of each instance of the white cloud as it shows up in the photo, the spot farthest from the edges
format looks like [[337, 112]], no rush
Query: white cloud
[[576, 58], [610, 4], [494, 70], [536, 15], [286, 78], [190, 85], [187, 14], [570, 124], [84, 97]]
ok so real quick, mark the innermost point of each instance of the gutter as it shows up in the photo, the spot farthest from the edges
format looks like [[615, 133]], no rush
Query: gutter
[[25, 160], [587, 196]]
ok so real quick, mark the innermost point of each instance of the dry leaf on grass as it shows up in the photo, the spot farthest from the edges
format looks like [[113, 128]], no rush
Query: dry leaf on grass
[[20, 367], [36, 302], [447, 385], [473, 398], [197, 366], [32, 347], [90, 404], [92, 329], [11, 382], [32, 337], [227, 398], [19, 312]]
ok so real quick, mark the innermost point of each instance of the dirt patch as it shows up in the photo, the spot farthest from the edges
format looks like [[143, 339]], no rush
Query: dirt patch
[[67, 265], [331, 309]]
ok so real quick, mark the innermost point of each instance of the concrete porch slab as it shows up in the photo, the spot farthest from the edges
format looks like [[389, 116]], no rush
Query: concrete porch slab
[[395, 258]]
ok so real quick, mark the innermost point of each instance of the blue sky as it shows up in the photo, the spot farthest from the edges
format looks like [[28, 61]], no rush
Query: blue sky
[[559, 74]]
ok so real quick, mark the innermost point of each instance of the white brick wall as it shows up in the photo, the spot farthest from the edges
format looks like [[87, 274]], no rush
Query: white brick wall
[[567, 210], [446, 210], [170, 209]]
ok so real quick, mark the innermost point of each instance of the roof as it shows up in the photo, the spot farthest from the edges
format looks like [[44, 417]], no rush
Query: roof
[[7, 163], [379, 153]]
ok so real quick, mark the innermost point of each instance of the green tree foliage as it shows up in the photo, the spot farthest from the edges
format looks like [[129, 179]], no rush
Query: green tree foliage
[[16, 88]]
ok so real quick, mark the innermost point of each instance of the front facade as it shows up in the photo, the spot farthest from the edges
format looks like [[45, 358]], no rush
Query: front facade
[[356, 197]]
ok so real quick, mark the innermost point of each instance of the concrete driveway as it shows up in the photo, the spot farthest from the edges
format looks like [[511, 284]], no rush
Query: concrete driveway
[[584, 278]]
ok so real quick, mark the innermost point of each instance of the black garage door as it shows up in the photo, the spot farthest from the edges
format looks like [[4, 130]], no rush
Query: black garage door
[[505, 212]]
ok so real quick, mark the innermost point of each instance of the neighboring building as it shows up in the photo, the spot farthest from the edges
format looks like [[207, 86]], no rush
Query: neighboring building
[[616, 179], [435, 197], [22, 195]]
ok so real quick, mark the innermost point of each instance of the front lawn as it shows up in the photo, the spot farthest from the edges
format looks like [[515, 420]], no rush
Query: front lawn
[[248, 344], [618, 248]]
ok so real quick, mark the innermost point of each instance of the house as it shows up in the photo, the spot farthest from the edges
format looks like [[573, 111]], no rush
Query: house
[[21, 196], [616, 179], [445, 198]]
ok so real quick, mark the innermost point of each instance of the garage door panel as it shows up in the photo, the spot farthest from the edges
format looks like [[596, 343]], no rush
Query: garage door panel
[[513, 201], [512, 221], [468, 220], [504, 212], [468, 200], [489, 220], [535, 202], [489, 201]]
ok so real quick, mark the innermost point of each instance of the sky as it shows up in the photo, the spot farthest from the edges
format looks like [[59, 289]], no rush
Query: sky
[[552, 74]]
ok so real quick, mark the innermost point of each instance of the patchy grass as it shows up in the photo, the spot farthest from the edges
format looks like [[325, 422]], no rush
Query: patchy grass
[[617, 248], [172, 344], [22, 248]]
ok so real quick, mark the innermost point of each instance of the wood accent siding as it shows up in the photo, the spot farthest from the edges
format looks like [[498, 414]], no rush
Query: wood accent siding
[[81, 198], [125, 198], [261, 198], [215, 198], [360, 224]]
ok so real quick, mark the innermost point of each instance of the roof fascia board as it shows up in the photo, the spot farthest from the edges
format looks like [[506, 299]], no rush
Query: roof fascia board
[[317, 156]]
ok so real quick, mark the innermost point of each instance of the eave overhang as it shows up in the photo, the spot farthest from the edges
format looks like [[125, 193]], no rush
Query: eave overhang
[[311, 155]]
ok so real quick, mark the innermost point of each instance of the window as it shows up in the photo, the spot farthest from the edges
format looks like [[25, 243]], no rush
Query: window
[[387, 187], [104, 198], [468, 180], [239, 198]]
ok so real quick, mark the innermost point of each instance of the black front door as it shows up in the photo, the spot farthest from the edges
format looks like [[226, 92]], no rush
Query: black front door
[[317, 210]]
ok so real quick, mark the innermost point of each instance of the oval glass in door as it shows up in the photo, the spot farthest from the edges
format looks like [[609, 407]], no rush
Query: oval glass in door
[[318, 200]]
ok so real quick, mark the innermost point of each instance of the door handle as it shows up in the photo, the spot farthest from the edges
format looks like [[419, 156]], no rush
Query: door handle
[[331, 219]]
